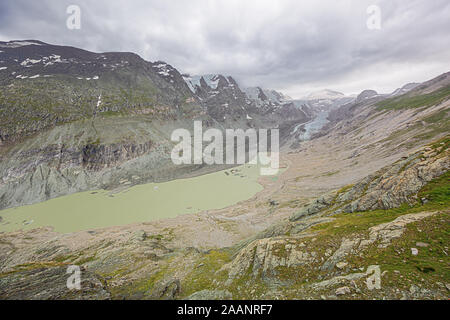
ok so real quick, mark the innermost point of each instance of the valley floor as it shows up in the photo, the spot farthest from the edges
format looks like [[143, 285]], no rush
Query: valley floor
[[217, 254]]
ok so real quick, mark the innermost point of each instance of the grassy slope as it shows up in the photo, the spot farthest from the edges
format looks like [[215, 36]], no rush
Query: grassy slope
[[418, 101], [30, 105]]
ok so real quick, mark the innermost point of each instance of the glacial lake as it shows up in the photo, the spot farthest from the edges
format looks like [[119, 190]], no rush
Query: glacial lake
[[97, 209]]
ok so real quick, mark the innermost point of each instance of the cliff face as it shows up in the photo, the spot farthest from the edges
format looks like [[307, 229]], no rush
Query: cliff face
[[398, 184], [94, 157], [84, 155], [35, 279], [90, 157]]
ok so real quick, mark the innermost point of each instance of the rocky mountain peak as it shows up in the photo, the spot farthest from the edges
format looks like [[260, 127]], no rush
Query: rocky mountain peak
[[366, 94], [261, 95]]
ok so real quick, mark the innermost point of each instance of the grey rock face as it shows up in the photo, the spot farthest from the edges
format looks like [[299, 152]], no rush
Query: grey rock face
[[388, 188], [74, 157], [262, 257], [96, 157], [315, 207], [166, 291], [50, 283], [398, 184], [366, 94], [342, 291], [347, 246]]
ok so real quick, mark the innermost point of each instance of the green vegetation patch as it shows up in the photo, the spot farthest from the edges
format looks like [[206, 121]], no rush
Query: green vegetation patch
[[408, 101], [33, 266], [437, 116], [427, 269], [205, 271], [436, 193]]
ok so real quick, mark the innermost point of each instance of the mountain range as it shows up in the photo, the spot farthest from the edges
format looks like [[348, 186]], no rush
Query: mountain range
[[67, 84], [364, 187], [79, 116]]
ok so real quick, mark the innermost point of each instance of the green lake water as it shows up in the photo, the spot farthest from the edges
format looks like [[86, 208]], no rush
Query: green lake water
[[152, 201]]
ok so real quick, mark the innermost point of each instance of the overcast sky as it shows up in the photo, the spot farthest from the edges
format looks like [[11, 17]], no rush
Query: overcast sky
[[293, 46]]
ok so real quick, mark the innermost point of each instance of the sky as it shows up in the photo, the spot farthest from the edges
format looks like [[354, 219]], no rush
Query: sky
[[293, 46]]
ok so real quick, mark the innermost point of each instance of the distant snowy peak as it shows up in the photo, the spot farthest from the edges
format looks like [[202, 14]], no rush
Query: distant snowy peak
[[20, 43], [277, 96], [254, 93], [217, 82], [211, 80], [406, 88], [208, 82], [325, 94], [30, 59], [265, 95], [366, 94], [165, 70]]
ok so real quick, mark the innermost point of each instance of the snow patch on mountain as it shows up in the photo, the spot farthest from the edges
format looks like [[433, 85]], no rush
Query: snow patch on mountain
[[165, 70], [266, 97], [99, 101], [366, 94], [54, 58], [325, 94], [17, 44], [28, 61], [406, 88], [190, 84], [211, 80]]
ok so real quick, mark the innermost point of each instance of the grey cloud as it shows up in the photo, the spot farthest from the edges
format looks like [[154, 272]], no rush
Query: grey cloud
[[288, 45]]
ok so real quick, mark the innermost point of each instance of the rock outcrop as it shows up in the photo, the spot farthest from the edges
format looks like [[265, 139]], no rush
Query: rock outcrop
[[398, 184], [49, 282], [388, 188], [261, 258], [366, 94]]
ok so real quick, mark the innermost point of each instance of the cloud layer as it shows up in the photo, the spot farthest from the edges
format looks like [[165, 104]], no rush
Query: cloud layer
[[294, 46]]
